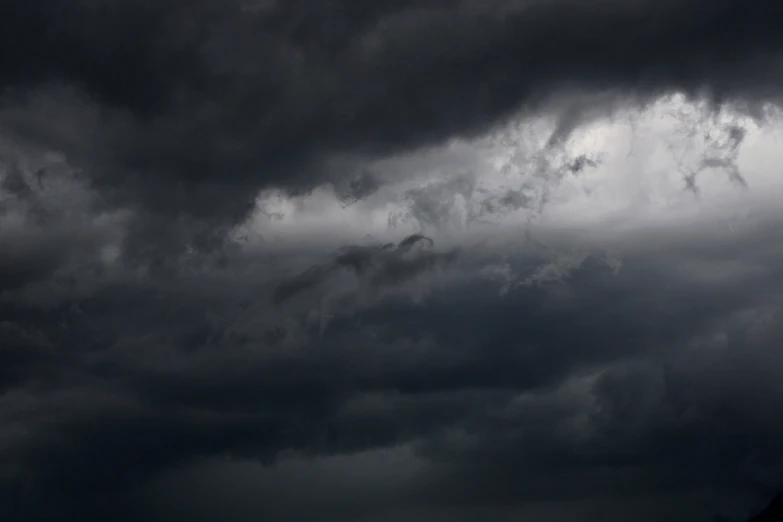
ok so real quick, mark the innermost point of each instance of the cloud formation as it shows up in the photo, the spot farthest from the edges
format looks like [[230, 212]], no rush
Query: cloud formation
[[139, 391], [185, 110], [535, 319], [379, 265]]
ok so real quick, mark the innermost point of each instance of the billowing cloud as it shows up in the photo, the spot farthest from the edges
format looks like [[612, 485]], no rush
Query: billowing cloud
[[186, 109], [560, 294], [652, 380]]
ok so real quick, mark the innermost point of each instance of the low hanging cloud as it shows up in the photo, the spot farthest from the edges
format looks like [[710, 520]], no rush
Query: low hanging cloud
[[612, 390], [534, 318]]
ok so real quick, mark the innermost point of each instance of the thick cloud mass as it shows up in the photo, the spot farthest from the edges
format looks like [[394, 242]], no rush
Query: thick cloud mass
[[390, 260], [188, 108], [592, 394]]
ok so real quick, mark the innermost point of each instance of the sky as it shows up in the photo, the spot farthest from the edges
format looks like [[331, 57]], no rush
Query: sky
[[399, 260]]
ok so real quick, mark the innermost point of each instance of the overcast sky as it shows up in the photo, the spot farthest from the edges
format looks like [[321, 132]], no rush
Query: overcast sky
[[390, 260]]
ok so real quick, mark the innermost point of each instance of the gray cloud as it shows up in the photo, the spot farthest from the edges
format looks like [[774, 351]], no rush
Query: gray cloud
[[189, 108], [152, 369], [379, 265], [648, 381]]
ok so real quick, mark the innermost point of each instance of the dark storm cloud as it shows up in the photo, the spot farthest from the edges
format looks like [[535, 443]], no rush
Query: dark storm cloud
[[190, 107], [588, 389], [102, 393]]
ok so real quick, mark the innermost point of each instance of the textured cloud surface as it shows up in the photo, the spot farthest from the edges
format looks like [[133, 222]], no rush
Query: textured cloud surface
[[390, 260]]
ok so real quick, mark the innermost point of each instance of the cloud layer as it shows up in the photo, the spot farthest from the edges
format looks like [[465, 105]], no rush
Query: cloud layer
[[392, 260], [186, 110]]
